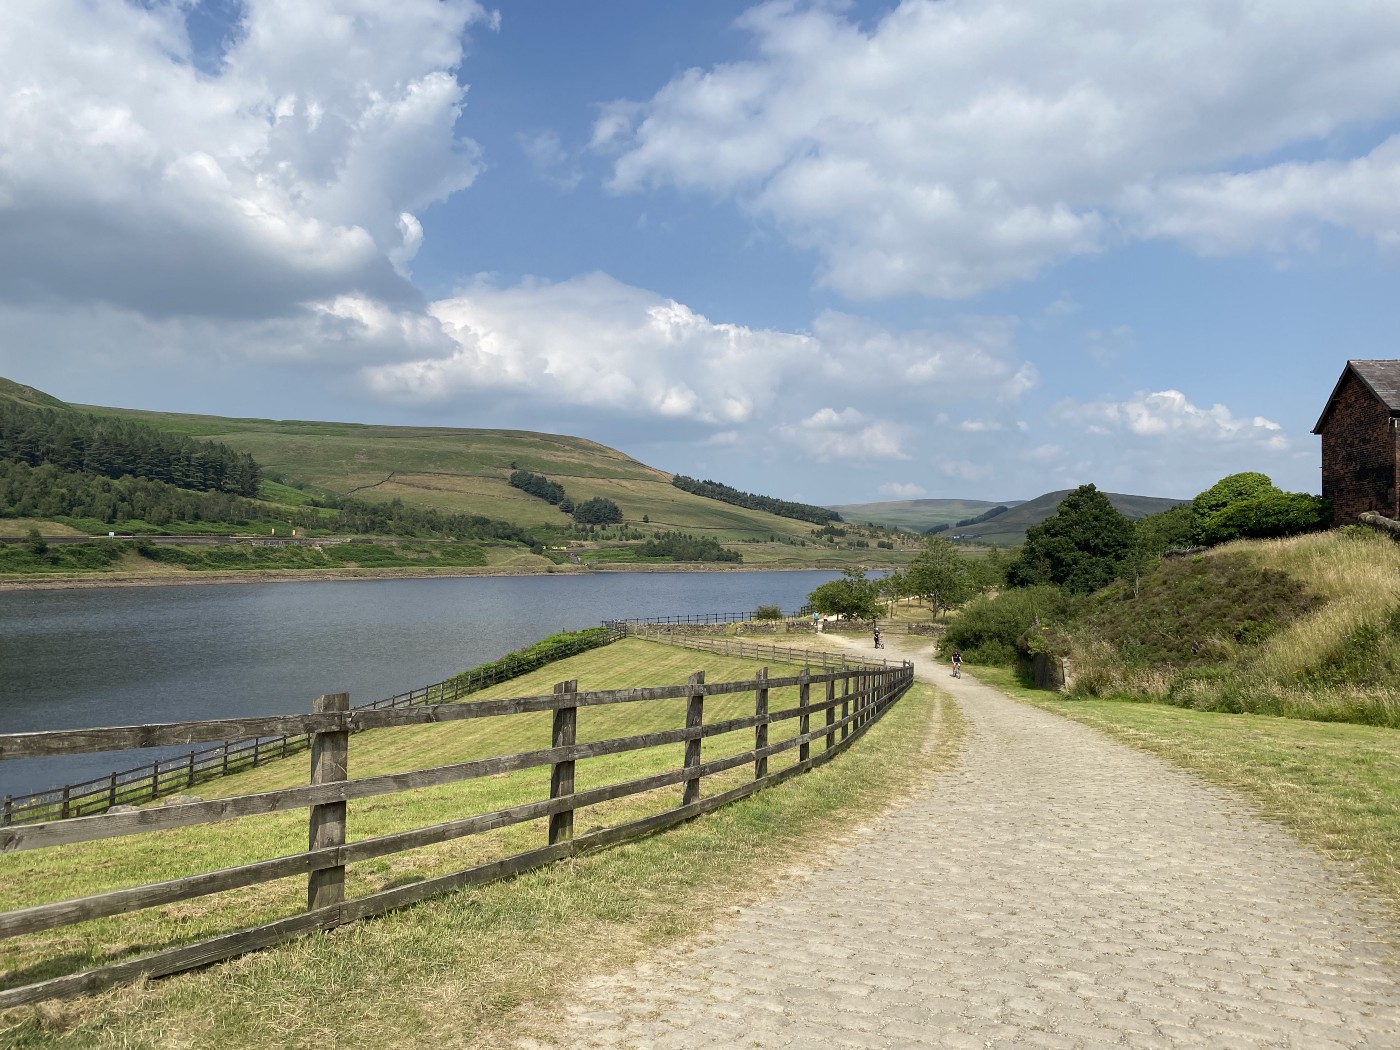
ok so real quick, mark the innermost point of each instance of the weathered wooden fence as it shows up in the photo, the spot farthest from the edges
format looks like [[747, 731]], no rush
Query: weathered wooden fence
[[163, 777], [823, 658], [845, 700]]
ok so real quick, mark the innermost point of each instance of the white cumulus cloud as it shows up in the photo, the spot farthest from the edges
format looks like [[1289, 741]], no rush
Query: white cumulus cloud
[[1168, 414], [950, 147], [597, 343], [289, 174], [848, 434]]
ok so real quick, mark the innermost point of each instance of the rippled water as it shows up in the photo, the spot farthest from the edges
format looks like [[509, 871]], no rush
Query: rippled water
[[121, 656]]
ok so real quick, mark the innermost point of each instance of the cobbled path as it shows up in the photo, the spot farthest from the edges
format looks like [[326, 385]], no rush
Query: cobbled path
[[1057, 889]]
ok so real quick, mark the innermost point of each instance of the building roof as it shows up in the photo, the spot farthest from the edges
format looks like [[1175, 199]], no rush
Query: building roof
[[1381, 378]]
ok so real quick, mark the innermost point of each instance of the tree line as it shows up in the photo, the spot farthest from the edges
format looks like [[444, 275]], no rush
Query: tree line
[[49, 492], [751, 501], [679, 546], [596, 511], [79, 442]]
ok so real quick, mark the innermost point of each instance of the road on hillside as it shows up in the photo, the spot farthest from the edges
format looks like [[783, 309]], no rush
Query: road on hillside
[[1056, 889]]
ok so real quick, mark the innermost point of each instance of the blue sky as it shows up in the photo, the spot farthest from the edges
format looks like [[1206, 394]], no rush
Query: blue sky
[[836, 252]]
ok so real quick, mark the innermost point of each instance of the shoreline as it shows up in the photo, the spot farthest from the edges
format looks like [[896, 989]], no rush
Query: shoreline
[[250, 576]]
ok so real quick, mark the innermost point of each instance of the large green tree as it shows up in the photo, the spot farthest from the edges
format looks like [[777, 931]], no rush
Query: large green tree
[[852, 596], [939, 575], [1080, 547]]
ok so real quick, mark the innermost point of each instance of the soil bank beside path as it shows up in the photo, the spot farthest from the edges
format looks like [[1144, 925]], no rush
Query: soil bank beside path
[[1057, 889]]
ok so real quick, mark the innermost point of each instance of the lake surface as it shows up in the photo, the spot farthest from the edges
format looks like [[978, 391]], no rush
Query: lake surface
[[122, 656]]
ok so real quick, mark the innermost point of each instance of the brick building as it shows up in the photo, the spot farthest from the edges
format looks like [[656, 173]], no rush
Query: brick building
[[1360, 430]]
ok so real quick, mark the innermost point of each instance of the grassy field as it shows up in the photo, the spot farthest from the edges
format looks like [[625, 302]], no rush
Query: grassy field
[[469, 969], [1335, 786]]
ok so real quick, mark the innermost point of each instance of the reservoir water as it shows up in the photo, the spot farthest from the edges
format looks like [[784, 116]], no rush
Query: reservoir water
[[122, 656]]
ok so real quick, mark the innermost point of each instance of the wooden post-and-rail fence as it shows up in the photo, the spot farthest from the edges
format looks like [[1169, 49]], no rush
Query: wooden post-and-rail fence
[[845, 700], [175, 775]]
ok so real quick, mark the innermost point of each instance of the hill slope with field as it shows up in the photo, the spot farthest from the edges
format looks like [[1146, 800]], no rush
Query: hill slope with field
[[460, 471], [1004, 530]]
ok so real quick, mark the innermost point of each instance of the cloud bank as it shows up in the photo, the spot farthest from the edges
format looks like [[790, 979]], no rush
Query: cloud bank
[[953, 147]]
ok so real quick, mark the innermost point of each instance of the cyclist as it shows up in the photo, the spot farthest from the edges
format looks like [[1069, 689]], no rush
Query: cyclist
[[878, 643], [957, 664]]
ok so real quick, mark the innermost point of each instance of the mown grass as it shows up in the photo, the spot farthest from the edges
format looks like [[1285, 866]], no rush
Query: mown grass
[[1335, 786], [458, 967]]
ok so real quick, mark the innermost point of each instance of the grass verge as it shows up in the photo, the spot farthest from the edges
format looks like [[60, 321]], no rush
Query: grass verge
[[1336, 787], [480, 968]]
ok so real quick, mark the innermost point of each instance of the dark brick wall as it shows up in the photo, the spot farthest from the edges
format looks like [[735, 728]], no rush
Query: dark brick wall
[[1360, 455]]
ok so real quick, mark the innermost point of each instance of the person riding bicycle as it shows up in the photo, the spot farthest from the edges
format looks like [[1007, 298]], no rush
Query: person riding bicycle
[[878, 643], [957, 664]]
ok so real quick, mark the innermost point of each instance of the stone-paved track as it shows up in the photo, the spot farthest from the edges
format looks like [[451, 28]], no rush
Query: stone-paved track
[[1057, 889]]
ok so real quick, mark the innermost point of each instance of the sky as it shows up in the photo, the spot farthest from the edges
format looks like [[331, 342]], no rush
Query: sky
[[837, 252]]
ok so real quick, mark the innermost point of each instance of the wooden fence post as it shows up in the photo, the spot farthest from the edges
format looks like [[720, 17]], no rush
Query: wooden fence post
[[804, 720], [694, 719], [111, 790], [561, 777], [330, 753], [189, 772], [845, 706], [760, 731], [830, 713]]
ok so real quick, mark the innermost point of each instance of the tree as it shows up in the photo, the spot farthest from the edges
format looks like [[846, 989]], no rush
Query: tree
[[988, 573], [852, 596], [939, 575], [598, 511], [1080, 547], [1235, 488], [1249, 505]]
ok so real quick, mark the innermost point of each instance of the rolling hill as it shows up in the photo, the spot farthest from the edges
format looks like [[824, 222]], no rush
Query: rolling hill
[[918, 515], [454, 470], [1005, 530]]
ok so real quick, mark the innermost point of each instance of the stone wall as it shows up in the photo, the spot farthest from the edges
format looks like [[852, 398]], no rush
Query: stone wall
[[1360, 455]]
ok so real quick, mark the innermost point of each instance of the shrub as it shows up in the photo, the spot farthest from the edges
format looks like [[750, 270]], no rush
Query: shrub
[[1270, 514], [1249, 506], [987, 630], [768, 612]]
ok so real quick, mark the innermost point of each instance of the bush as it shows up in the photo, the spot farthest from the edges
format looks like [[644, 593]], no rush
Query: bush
[[768, 612], [1270, 514], [987, 630], [1249, 506]]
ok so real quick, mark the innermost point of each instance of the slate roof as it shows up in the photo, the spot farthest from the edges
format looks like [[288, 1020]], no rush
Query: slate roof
[[1382, 378]]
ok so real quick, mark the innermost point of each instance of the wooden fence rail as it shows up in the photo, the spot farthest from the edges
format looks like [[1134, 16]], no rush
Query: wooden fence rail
[[173, 775], [844, 700]]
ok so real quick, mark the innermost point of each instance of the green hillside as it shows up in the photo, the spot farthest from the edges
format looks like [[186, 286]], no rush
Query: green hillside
[[465, 471], [917, 515], [1005, 530], [27, 395]]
